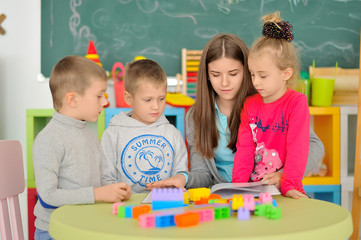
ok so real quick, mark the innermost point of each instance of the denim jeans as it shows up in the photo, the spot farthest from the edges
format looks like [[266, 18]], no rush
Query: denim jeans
[[42, 235]]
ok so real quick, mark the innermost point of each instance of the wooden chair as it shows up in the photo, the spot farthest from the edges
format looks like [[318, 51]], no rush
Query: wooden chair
[[190, 64], [356, 199], [12, 183]]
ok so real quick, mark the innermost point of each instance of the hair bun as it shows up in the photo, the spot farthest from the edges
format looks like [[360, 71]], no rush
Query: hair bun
[[280, 30]]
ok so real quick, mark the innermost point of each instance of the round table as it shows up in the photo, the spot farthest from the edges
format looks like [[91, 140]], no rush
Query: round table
[[301, 219]]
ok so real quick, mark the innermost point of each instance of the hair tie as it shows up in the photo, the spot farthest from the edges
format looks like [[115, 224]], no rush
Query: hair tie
[[280, 30]]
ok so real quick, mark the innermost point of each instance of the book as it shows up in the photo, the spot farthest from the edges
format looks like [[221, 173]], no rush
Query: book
[[226, 190]]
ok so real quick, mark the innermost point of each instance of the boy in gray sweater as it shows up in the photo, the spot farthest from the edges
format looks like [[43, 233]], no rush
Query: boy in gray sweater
[[66, 154], [141, 146]]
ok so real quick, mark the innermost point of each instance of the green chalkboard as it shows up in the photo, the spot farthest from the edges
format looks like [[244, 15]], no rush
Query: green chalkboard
[[325, 30]]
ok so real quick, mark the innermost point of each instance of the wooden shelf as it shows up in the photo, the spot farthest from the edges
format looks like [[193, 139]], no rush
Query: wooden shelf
[[326, 122]]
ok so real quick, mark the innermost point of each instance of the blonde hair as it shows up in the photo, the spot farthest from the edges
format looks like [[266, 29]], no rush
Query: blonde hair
[[143, 70], [73, 73], [280, 47]]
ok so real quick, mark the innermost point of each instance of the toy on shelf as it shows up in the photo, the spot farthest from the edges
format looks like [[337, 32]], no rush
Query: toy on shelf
[[92, 53], [212, 208], [118, 80], [179, 100]]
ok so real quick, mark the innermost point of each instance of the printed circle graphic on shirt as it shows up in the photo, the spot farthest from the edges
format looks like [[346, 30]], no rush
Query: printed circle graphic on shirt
[[147, 158]]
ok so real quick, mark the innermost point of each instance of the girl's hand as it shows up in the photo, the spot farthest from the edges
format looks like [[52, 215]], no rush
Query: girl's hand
[[272, 178], [177, 181], [295, 194]]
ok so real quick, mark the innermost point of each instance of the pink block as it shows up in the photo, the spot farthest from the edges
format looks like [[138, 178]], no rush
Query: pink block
[[147, 220], [248, 202], [265, 197], [205, 215]]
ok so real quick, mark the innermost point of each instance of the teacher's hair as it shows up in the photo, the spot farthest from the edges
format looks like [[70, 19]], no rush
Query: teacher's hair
[[204, 115]]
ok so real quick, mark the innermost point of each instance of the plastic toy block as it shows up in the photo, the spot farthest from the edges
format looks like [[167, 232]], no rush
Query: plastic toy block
[[274, 213], [260, 210], [243, 213], [248, 201], [166, 220], [156, 205], [265, 197], [222, 212], [121, 211], [201, 201], [237, 201], [129, 211], [222, 201], [186, 198], [214, 196], [274, 203], [187, 219], [195, 194], [205, 215], [167, 194], [139, 210], [146, 220], [115, 207]]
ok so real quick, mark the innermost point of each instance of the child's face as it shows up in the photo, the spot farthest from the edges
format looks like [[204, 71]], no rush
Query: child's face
[[92, 102], [148, 102], [226, 76], [267, 78]]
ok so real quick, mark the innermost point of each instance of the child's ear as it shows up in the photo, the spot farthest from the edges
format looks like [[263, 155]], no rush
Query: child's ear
[[71, 99], [287, 74], [127, 97]]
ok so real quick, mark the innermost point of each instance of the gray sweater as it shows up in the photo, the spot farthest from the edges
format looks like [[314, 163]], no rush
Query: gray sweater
[[67, 158], [138, 154], [204, 172]]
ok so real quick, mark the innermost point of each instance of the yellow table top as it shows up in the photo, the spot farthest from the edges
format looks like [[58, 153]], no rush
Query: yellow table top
[[301, 219]]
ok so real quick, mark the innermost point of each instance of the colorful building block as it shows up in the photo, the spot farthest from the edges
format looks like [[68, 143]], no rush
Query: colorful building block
[[222, 212], [243, 213], [121, 211], [206, 214], [141, 209], [157, 205], [237, 201], [265, 197], [164, 220], [195, 194], [146, 220], [248, 201], [187, 219], [274, 213], [167, 194], [260, 210]]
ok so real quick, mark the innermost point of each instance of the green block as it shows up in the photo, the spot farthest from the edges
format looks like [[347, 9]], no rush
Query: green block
[[121, 211]]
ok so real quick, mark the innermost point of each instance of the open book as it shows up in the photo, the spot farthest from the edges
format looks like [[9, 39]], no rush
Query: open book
[[226, 190]]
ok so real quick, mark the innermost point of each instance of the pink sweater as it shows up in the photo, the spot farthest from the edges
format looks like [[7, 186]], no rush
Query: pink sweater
[[273, 136]]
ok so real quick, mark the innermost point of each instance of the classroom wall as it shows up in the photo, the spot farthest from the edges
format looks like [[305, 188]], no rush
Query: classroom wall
[[19, 66]]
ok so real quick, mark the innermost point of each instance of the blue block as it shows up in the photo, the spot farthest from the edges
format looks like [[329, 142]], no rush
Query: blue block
[[165, 221], [156, 205]]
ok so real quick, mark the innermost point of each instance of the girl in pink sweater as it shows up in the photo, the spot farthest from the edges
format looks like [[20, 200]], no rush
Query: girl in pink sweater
[[275, 122]]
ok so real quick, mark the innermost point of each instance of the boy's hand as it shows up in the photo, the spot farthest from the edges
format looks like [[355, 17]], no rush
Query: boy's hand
[[295, 194], [177, 181], [115, 192], [272, 178]]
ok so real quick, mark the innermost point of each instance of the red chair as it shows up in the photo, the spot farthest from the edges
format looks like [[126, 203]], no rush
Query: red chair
[[12, 183]]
